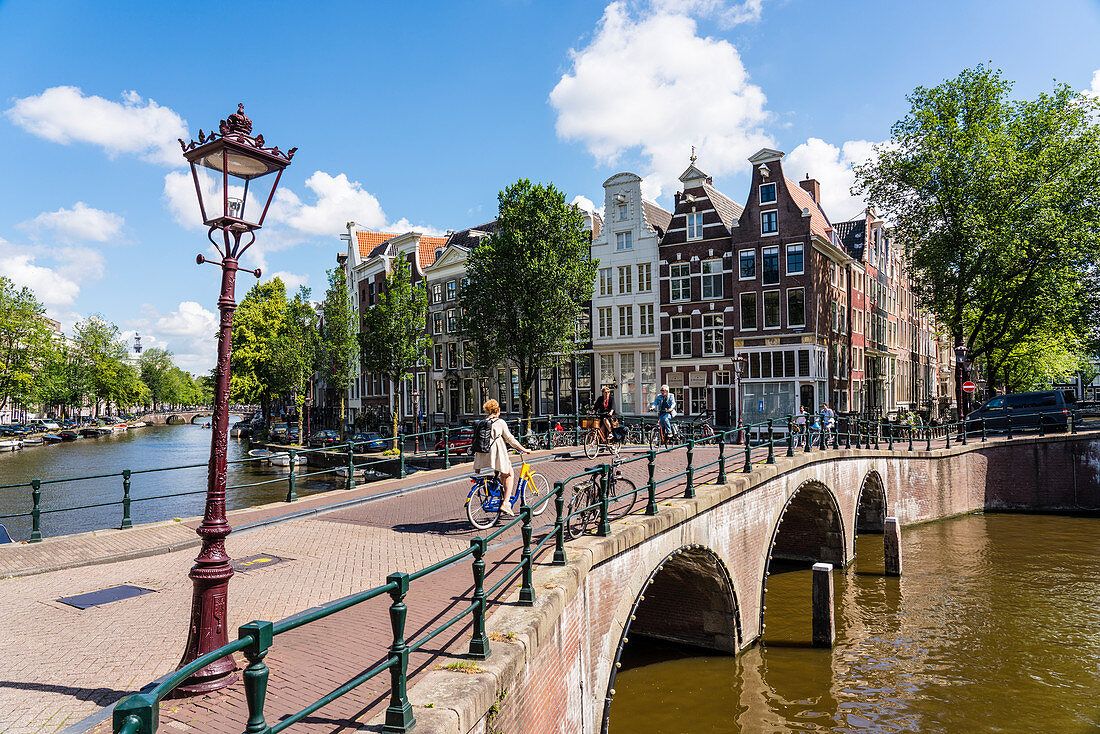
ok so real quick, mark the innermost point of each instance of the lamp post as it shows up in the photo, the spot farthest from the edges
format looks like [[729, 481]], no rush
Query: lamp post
[[416, 420], [225, 166], [739, 365], [960, 377]]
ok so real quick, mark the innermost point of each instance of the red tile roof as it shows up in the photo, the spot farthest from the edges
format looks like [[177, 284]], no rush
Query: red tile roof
[[369, 240], [427, 249], [819, 223]]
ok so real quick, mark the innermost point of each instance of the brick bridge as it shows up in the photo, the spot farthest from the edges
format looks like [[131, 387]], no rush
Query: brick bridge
[[697, 571], [189, 416]]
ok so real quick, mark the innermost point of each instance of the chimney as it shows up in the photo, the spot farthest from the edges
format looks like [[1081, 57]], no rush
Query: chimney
[[811, 185]]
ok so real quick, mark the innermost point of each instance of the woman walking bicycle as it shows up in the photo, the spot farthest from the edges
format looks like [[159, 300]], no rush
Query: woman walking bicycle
[[493, 431]]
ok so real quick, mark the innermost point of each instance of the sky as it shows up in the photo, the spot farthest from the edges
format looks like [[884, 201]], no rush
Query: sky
[[412, 116]]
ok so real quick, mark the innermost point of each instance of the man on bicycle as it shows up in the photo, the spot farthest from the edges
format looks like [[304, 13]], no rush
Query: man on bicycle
[[665, 405]]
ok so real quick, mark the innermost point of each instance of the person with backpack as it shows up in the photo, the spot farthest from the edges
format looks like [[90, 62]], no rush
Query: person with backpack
[[491, 441]]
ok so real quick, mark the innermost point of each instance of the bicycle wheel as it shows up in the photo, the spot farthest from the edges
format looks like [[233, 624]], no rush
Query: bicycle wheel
[[578, 518], [622, 494], [655, 438], [592, 444], [538, 489], [480, 517]]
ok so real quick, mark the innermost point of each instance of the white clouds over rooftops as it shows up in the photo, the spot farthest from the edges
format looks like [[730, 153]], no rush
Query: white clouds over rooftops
[[832, 167], [82, 223], [189, 332], [651, 84], [136, 126]]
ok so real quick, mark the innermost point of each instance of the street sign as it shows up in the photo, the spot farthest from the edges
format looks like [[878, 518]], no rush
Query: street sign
[[969, 387], [761, 407]]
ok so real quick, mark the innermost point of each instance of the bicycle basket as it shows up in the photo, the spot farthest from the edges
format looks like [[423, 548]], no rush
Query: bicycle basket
[[588, 423]]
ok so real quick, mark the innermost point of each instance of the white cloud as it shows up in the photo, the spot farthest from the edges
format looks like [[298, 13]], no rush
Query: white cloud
[[1094, 90], [82, 223], [135, 127], [584, 203], [54, 274], [190, 332], [338, 201], [832, 167], [654, 86], [726, 13], [292, 281]]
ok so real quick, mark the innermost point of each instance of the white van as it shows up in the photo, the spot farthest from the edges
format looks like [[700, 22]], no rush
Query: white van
[[42, 424]]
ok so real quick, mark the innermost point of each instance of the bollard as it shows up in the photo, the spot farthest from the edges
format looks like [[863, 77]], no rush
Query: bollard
[[890, 445], [748, 454], [824, 630], [399, 714], [947, 435], [605, 489], [891, 545], [823, 444], [36, 510], [848, 435], [1008, 423], [1073, 418], [910, 431], [689, 489], [559, 524], [126, 521], [771, 442], [446, 447], [255, 675], [401, 461], [291, 495], [790, 437], [479, 643], [1042, 432], [651, 506], [351, 465], [527, 586]]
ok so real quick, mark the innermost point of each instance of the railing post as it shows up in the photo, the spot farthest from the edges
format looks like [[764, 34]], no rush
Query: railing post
[[126, 521], [1073, 417], [771, 442], [689, 490], [291, 495], [910, 432], [651, 506], [399, 714], [446, 447], [577, 430], [479, 643], [962, 430], [527, 586], [848, 435], [890, 446], [1008, 422], [790, 437], [722, 458], [36, 510], [255, 675], [983, 429], [947, 435], [351, 464], [809, 436], [401, 461], [836, 434], [823, 431], [928, 436], [1042, 431], [140, 708], [559, 524], [605, 489], [748, 453], [878, 431]]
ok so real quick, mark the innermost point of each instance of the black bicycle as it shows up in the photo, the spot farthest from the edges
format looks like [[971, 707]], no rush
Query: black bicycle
[[584, 510]]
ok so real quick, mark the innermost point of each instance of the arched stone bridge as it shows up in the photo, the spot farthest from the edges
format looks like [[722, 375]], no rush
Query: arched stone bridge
[[175, 417], [697, 572]]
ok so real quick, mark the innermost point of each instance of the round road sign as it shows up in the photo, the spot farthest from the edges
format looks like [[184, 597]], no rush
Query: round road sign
[[969, 386]]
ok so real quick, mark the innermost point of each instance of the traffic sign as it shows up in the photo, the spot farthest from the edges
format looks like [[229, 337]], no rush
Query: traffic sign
[[969, 386]]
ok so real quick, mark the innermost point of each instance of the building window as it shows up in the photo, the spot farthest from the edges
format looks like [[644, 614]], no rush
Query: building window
[[452, 321], [437, 354], [622, 212], [748, 311], [796, 307], [437, 293], [605, 281], [437, 322], [625, 274], [771, 310], [626, 321], [680, 282], [605, 322], [681, 336], [648, 373], [607, 369], [645, 319], [583, 331], [626, 382], [624, 241], [769, 222], [803, 363], [748, 265], [372, 290], [695, 226], [769, 264], [452, 355], [452, 290], [795, 264], [713, 341], [767, 193], [645, 278], [712, 278], [466, 355]]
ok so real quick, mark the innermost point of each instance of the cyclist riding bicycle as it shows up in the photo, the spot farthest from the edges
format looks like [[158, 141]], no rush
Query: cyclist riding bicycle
[[665, 405], [605, 409]]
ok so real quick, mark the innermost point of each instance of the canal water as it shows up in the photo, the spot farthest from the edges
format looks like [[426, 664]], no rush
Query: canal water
[[994, 627], [151, 447]]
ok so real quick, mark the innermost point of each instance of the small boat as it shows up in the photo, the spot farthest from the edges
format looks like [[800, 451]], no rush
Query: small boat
[[11, 445], [137, 424], [33, 441], [262, 456], [69, 434], [118, 427], [52, 438], [239, 430], [284, 460], [359, 471]]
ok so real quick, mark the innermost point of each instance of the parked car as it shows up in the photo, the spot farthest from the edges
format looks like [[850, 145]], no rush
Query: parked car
[[322, 439], [42, 424], [369, 441], [1026, 410], [458, 442]]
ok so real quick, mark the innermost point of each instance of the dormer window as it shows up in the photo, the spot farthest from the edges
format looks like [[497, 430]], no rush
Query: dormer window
[[622, 212], [767, 193], [695, 226]]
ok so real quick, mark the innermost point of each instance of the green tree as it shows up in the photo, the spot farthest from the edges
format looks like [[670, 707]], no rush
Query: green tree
[[528, 284], [339, 346], [299, 348], [996, 202], [60, 381], [26, 343], [393, 341], [101, 354], [157, 372]]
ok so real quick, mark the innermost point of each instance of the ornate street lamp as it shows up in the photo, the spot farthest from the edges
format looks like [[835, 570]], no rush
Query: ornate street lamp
[[230, 167], [740, 364], [416, 420]]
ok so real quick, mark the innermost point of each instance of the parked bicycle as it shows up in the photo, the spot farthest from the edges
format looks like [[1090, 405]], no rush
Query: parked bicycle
[[484, 500], [584, 511], [594, 439], [701, 429]]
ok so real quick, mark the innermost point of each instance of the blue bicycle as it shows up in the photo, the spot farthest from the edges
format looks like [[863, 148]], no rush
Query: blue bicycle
[[486, 493]]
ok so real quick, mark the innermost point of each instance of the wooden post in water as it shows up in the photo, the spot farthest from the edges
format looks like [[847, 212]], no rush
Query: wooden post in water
[[891, 543], [824, 629]]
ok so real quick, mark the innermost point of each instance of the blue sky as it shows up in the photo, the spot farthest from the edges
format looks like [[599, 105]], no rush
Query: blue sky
[[414, 116]]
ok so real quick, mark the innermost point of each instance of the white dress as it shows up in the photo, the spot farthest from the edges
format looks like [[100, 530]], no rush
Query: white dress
[[498, 458]]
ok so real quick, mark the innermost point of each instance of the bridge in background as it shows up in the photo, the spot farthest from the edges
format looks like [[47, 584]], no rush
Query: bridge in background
[[190, 416]]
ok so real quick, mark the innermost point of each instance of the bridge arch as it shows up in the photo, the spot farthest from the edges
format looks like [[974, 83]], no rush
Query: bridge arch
[[688, 598], [871, 505]]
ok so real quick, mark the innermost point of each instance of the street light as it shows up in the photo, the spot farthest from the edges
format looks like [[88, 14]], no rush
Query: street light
[[961, 377], [416, 420], [739, 366], [239, 162]]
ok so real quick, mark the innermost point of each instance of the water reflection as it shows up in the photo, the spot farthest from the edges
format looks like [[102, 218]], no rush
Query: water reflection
[[992, 628]]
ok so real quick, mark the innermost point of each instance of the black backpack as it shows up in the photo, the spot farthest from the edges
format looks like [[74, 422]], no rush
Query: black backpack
[[483, 436]]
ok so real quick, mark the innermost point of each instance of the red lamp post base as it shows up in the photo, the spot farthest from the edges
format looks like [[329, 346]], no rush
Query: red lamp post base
[[208, 631]]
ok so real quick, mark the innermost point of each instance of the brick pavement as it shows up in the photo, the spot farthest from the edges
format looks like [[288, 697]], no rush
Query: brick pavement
[[53, 678]]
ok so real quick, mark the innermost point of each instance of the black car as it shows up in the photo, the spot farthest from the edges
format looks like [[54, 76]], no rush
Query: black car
[[322, 439], [1025, 410]]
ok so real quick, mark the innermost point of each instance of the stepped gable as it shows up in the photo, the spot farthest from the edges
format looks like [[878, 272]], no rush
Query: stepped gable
[[656, 216]]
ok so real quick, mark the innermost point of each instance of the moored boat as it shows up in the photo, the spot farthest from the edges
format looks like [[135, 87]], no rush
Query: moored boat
[[33, 441], [69, 434], [52, 438], [262, 456], [137, 424], [284, 460], [10, 444]]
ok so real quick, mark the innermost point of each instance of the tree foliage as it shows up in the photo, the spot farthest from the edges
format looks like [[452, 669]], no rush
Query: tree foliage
[[528, 283], [998, 205], [339, 346], [26, 343], [101, 355]]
